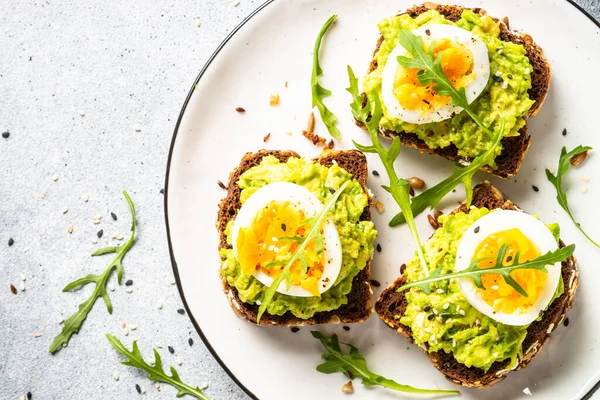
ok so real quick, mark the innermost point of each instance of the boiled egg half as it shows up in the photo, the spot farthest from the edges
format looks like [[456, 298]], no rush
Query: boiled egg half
[[465, 62], [525, 235], [262, 239]]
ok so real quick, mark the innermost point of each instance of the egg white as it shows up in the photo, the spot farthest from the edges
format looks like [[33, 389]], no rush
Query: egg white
[[310, 204], [532, 228], [481, 69]]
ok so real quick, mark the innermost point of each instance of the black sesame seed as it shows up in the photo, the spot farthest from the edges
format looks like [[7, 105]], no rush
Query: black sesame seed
[[445, 316], [181, 311], [378, 248], [283, 227], [113, 215], [6, 134], [509, 259], [162, 191], [11, 241], [295, 329], [375, 173], [477, 230], [191, 341], [566, 323], [171, 350], [427, 308], [535, 188], [331, 191], [430, 317], [564, 133], [138, 388], [29, 396], [497, 79], [346, 328], [100, 233], [129, 282], [509, 76], [448, 339]]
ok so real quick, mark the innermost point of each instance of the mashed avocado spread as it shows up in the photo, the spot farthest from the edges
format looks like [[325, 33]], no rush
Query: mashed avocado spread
[[457, 328], [356, 236], [504, 97]]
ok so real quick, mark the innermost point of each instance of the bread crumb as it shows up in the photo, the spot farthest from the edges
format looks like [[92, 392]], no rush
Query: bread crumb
[[314, 138], [585, 178], [348, 388], [70, 229], [55, 177], [197, 22], [380, 207], [274, 100], [527, 391]]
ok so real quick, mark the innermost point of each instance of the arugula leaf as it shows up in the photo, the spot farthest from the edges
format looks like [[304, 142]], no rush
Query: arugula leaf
[[370, 115], [475, 273], [354, 365], [313, 233], [556, 180], [155, 372], [431, 72], [432, 196], [74, 322], [318, 91]]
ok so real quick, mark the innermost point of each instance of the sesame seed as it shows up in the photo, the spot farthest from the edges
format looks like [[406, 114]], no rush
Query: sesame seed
[[133, 327], [37, 334], [427, 308], [82, 113], [181, 311], [29, 395], [86, 197], [346, 328], [111, 287], [129, 290], [100, 233], [461, 312], [11, 241], [477, 322], [115, 375], [159, 345], [197, 22], [60, 320], [55, 178], [138, 388], [171, 349], [497, 79], [439, 291], [172, 281], [6, 134], [22, 276], [160, 304], [137, 127], [157, 386], [70, 229], [126, 331], [495, 287], [453, 343], [535, 188], [152, 360], [295, 329], [375, 173], [179, 361], [191, 341], [477, 229], [65, 210], [432, 338], [113, 215], [22, 286], [378, 248], [236, 3], [504, 84], [129, 282], [566, 323], [564, 132], [445, 306], [435, 311], [430, 317]]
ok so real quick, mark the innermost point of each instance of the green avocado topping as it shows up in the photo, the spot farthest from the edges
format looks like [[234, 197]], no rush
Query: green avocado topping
[[443, 319], [504, 98], [357, 237]]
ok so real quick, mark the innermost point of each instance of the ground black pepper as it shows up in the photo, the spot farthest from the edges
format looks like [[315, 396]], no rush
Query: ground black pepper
[[6, 134], [162, 191]]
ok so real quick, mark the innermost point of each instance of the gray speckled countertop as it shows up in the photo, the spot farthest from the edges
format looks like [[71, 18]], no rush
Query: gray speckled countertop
[[90, 93]]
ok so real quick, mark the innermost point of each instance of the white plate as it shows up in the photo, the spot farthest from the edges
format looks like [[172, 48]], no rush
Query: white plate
[[274, 46]]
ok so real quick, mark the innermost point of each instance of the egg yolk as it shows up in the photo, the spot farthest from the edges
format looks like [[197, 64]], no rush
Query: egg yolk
[[497, 293], [262, 246], [457, 64]]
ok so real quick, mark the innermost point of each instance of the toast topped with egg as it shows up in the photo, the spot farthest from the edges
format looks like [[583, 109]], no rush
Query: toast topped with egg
[[468, 346], [335, 289], [504, 73]]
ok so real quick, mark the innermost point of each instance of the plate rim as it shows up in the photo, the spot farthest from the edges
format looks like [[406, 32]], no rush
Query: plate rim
[[208, 63]]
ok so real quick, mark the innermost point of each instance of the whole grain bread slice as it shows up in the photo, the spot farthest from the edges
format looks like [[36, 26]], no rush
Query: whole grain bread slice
[[392, 303], [514, 147], [359, 306]]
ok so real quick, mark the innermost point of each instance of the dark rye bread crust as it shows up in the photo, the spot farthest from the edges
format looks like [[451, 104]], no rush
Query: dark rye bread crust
[[392, 303], [514, 148], [359, 306]]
